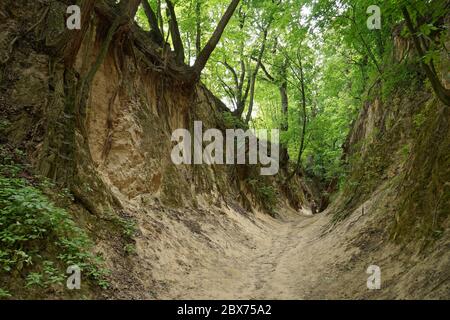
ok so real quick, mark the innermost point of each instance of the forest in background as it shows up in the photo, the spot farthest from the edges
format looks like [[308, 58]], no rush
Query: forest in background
[[307, 67]]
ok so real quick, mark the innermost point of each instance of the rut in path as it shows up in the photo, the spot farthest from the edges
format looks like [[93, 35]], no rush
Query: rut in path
[[273, 272], [280, 266]]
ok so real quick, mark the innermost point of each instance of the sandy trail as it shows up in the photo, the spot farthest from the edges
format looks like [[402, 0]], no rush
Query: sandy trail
[[273, 272], [272, 268], [291, 257]]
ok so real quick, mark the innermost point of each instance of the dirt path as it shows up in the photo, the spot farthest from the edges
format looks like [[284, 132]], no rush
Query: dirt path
[[276, 266], [271, 271], [258, 257]]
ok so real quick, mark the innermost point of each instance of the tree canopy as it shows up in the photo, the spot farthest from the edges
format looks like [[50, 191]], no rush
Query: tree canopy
[[303, 66]]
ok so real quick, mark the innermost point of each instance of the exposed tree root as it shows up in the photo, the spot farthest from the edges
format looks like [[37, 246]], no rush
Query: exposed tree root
[[13, 42], [109, 122]]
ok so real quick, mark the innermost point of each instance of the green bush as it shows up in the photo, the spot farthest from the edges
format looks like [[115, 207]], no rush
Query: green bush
[[401, 76], [233, 122], [4, 294], [265, 193], [31, 224]]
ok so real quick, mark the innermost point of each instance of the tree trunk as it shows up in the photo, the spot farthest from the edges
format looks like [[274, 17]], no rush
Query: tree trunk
[[284, 156], [441, 92], [198, 35], [304, 118], [130, 7], [204, 55], [284, 97], [254, 75], [175, 33], [76, 36], [160, 17], [153, 22]]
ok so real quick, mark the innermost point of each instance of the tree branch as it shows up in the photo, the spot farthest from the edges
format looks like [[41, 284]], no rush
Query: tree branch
[[255, 73], [302, 138], [268, 75], [233, 72], [198, 35], [204, 55], [153, 22], [175, 32]]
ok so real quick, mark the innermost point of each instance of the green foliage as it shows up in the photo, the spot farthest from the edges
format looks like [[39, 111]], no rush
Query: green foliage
[[402, 76], [49, 276], [405, 150], [232, 122], [130, 248], [4, 294], [4, 124], [31, 223], [127, 226], [341, 59], [35, 279], [419, 120], [265, 193]]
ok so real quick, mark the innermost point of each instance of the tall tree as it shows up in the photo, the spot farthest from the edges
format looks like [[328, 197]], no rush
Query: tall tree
[[303, 115], [204, 55], [241, 74], [255, 74]]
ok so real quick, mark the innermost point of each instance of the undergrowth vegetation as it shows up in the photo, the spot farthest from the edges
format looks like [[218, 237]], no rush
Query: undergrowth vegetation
[[265, 193], [38, 239], [425, 188]]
